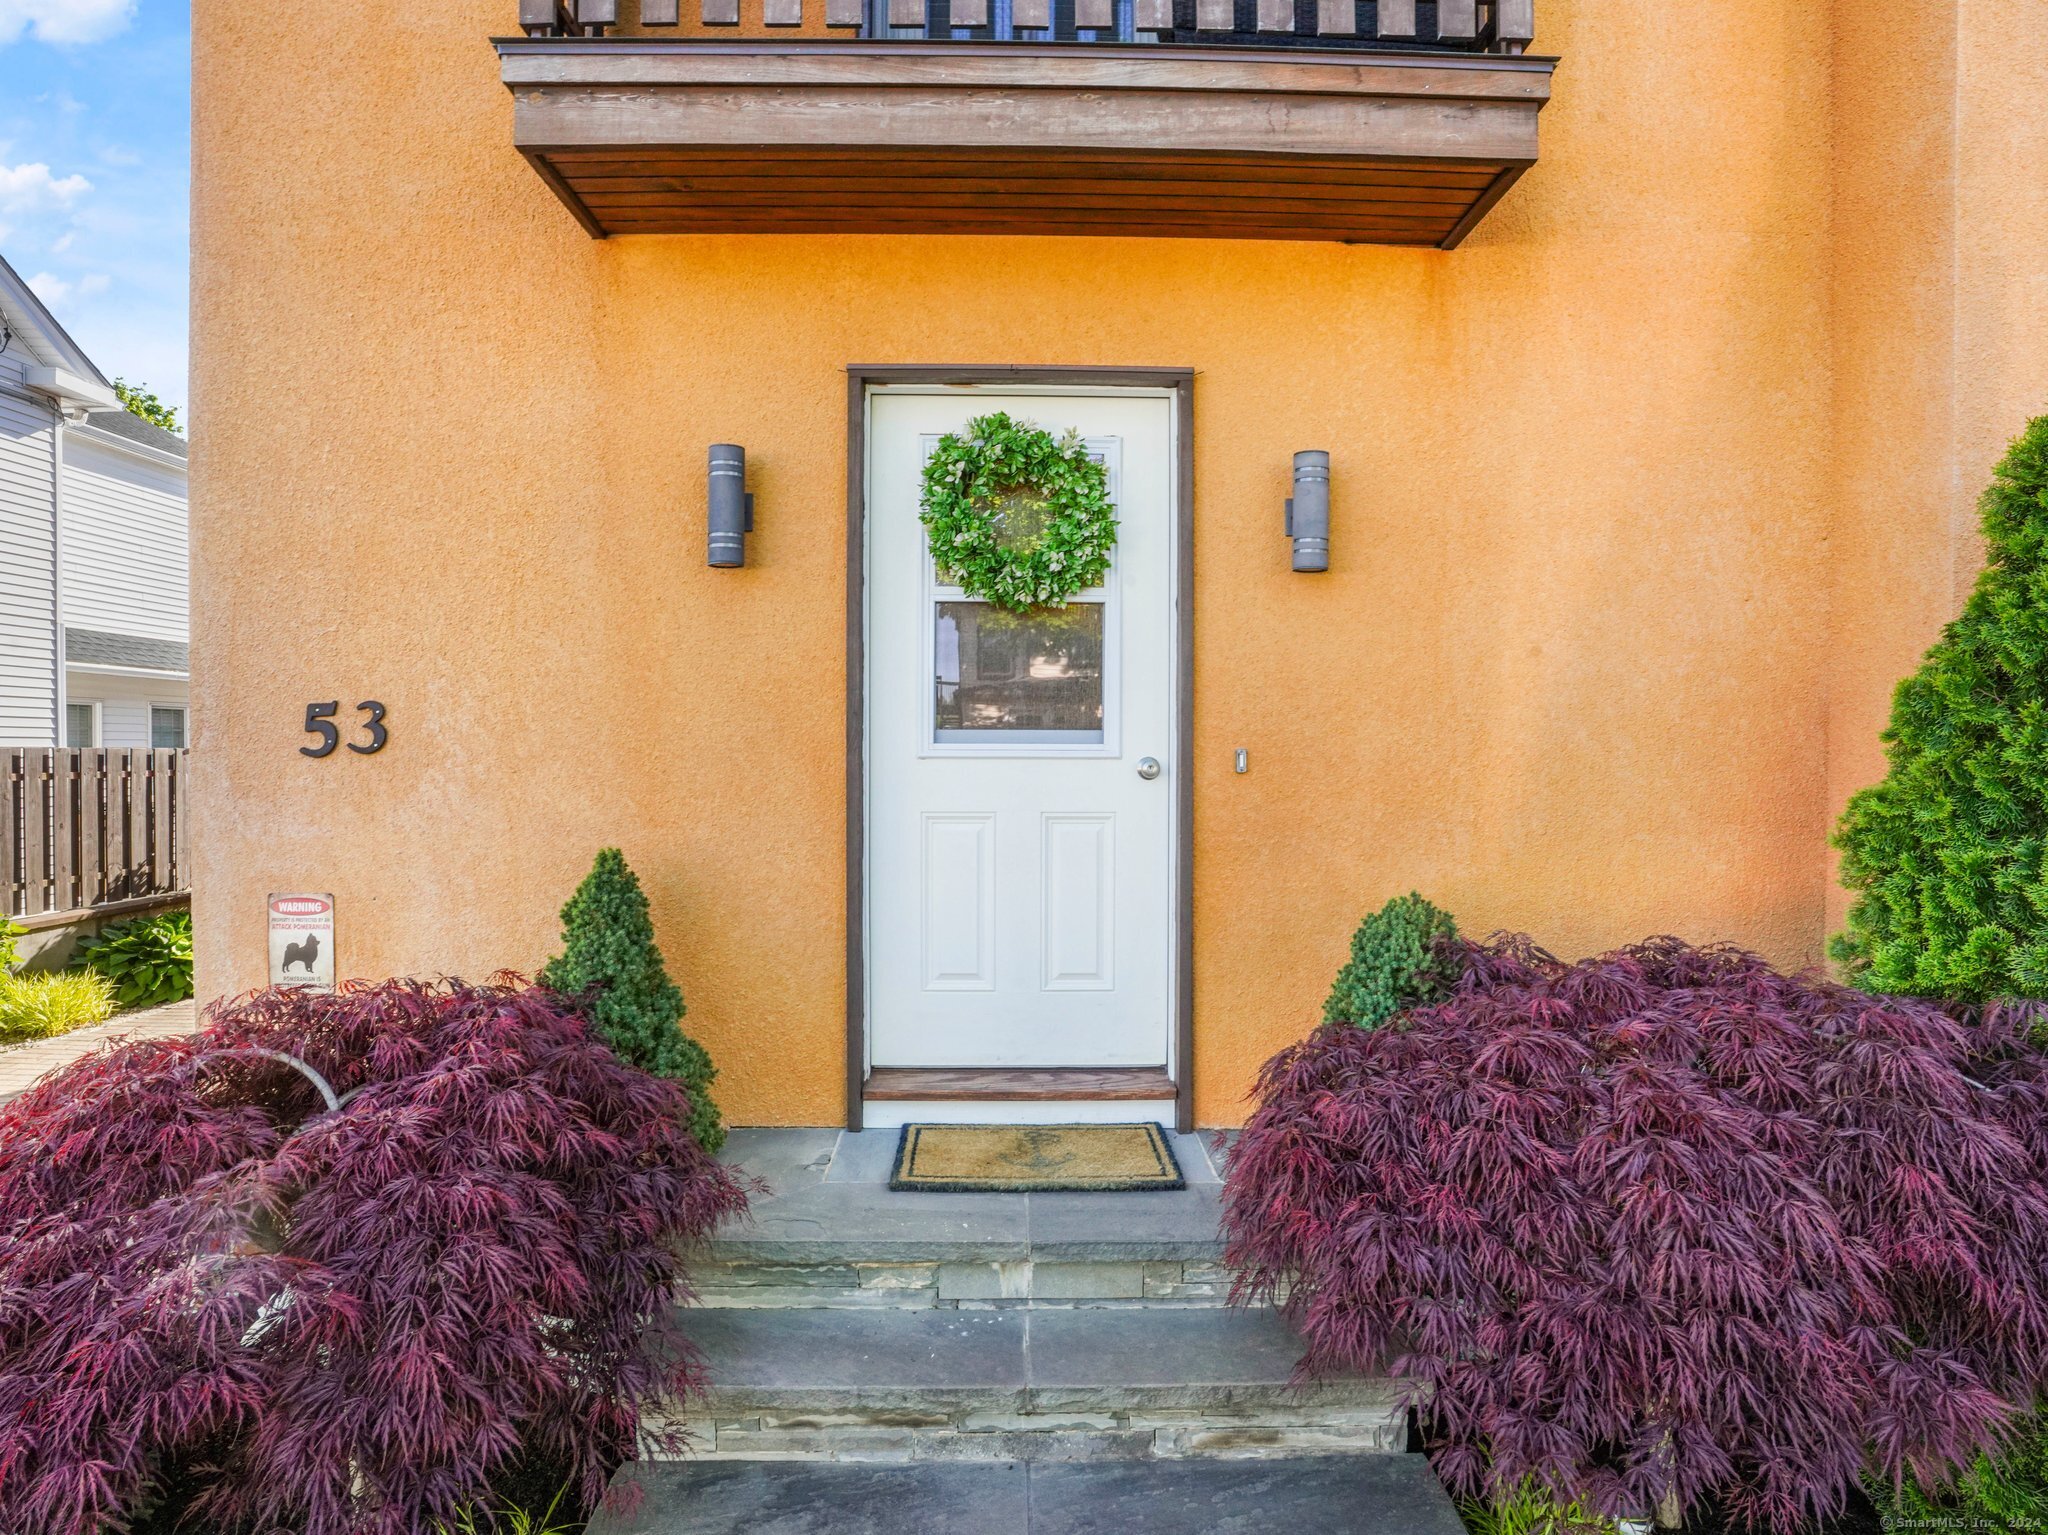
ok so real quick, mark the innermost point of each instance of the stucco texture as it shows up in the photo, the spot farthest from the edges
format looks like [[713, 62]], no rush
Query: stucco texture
[[1601, 477]]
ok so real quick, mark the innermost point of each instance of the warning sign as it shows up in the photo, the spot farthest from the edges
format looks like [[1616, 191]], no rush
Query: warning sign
[[302, 941]]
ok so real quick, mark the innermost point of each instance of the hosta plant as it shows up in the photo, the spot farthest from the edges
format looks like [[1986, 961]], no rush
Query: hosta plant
[[149, 959], [40, 1006], [1664, 1227], [347, 1319]]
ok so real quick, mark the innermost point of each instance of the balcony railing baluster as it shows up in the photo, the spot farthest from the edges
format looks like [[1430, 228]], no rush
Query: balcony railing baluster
[[1465, 26]]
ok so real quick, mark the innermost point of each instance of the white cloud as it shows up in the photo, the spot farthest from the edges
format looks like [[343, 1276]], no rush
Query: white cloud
[[64, 22], [62, 243], [31, 185], [54, 290]]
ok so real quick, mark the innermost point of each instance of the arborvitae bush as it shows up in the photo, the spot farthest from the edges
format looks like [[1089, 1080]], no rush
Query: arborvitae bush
[[1665, 1221], [220, 1294], [1945, 855], [609, 957], [1402, 955]]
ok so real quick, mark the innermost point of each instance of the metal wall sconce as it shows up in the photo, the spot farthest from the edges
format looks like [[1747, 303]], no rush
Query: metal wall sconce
[[730, 505], [1308, 511]]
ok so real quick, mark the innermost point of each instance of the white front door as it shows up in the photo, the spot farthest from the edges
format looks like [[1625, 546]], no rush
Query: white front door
[[1020, 863]]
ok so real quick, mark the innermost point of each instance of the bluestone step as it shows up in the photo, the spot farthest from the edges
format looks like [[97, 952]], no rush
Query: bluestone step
[[828, 1203], [1031, 1384], [1352, 1495]]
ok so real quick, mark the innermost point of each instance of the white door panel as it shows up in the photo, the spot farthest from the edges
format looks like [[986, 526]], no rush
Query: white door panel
[[1020, 871]]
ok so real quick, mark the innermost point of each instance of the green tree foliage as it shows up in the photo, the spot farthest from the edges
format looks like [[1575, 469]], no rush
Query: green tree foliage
[[140, 401], [1945, 855], [608, 950], [1402, 956]]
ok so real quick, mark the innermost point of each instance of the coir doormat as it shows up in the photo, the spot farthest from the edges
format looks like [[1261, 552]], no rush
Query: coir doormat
[[1034, 1159]]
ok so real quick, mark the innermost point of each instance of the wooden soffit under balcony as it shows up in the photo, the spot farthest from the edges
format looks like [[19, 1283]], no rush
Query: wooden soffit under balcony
[[786, 136]]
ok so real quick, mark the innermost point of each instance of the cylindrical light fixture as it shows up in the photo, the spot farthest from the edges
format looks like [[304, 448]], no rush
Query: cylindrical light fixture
[[1308, 510], [730, 506]]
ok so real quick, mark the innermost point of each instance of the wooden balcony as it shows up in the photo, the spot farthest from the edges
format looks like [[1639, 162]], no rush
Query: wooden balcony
[[1365, 121]]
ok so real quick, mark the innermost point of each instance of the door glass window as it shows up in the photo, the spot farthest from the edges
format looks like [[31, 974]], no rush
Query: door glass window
[[1024, 678]]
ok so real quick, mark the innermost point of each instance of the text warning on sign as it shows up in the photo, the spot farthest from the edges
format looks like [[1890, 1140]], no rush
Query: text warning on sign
[[302, 941]]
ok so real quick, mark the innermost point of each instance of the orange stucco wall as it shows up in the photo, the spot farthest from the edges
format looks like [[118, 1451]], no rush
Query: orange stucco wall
[[1598, 655]]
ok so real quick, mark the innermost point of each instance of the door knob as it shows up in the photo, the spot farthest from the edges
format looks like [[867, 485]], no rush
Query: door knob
[[1148, 767]]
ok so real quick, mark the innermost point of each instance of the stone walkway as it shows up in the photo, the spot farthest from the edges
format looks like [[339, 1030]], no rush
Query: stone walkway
[[23, 1065]]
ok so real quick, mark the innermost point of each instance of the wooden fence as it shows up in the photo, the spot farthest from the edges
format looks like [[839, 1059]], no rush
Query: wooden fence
[[92, 827]]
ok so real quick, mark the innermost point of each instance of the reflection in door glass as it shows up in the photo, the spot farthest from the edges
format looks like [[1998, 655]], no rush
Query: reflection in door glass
[[1019, 678]]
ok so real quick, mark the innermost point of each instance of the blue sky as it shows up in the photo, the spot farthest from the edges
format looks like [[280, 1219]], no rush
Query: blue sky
[[95, 155]]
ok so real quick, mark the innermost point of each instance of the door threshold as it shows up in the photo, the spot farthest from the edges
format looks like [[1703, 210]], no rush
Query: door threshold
[[1016, 1084]]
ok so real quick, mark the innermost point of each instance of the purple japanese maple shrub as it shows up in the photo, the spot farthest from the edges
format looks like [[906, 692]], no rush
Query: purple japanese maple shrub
[[1664, 1221], [340, 1320]]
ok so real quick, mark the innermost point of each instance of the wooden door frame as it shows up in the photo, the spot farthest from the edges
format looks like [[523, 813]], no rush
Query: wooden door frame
[[1180, 382]]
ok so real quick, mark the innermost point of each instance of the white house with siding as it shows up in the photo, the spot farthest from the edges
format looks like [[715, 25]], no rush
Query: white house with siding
[[93, 581]]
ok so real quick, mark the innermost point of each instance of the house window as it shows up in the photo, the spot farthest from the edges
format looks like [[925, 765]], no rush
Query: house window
[[81, 724], [166, 726]]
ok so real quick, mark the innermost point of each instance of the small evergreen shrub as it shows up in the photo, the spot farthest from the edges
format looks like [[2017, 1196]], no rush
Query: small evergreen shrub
[[44, 1006], [225, 1307], [1946, 854], [1665, 1222], [1403, 955], [149, 959], [609, 959]]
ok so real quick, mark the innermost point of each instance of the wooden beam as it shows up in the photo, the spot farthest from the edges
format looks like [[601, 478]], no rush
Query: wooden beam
[[1017, 1085], [944, 66], [1168, 141]]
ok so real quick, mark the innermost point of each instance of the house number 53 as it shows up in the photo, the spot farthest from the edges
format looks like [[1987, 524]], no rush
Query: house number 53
[[320, 722]]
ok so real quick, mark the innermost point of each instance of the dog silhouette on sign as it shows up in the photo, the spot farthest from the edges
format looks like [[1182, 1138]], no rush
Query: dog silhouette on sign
[[302, 953]]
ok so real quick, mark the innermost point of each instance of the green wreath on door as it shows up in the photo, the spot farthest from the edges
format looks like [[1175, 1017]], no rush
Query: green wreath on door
[[1016, 516]]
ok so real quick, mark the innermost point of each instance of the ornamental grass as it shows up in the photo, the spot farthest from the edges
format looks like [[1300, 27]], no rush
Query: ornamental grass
[[217, 1292], [44, 1005], [1665, 1223]]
